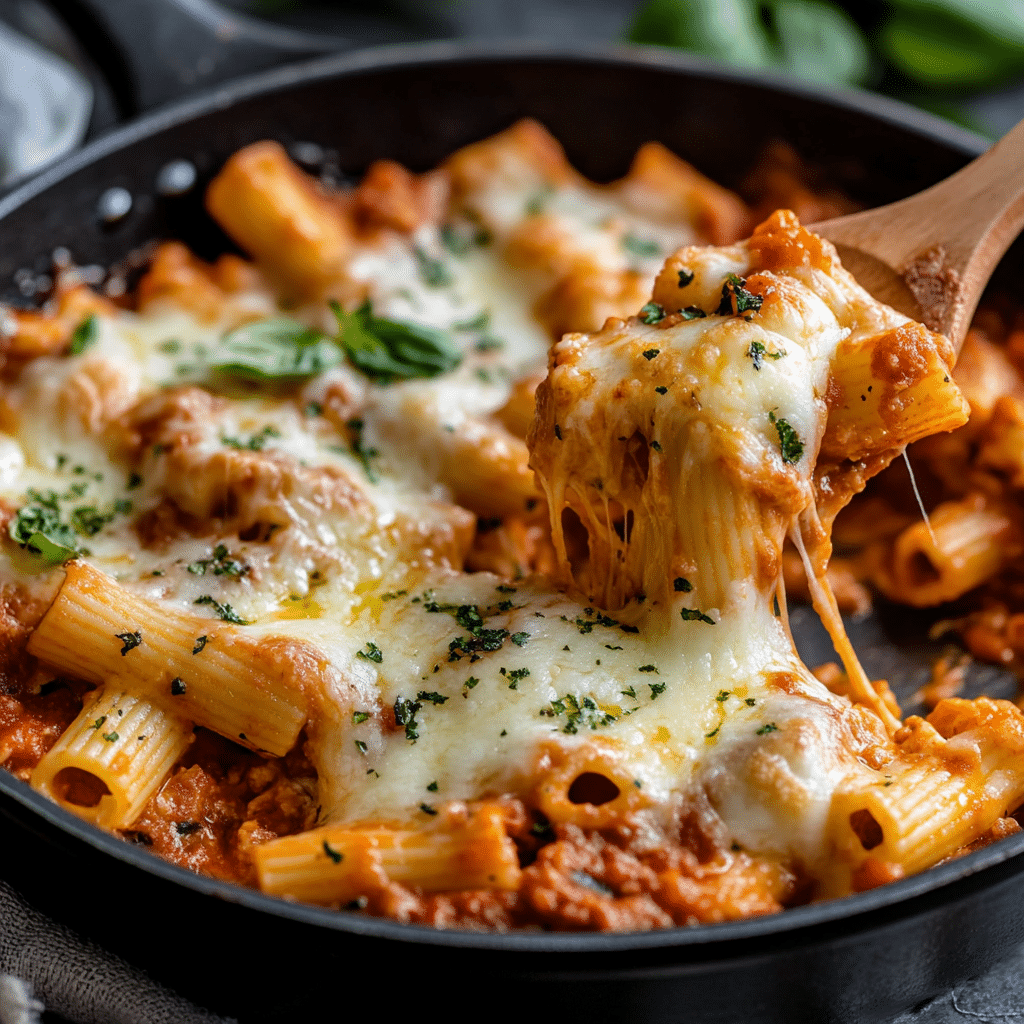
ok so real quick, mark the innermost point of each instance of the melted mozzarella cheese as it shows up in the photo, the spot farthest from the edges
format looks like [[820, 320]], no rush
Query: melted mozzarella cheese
[[686, 681]]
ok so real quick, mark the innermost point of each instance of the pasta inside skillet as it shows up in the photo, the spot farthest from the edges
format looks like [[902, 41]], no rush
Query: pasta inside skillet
[[294, 599]]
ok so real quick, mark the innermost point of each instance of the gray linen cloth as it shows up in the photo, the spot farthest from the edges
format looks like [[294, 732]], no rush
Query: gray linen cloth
[[48, 965]]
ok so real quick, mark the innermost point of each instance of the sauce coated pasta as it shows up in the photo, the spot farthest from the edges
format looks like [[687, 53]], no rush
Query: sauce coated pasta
[[432, 561]]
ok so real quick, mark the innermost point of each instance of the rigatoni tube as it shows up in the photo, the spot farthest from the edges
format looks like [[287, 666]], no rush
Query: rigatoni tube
[[112, 758], [967, 543], [463, 848], [201, 669]]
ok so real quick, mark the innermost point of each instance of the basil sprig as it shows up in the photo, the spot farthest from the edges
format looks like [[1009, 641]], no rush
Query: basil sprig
[[275, 349], [387, 350]]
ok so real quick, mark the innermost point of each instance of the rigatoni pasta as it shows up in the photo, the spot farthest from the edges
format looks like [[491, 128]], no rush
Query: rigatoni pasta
[[113, 757], [329, 603], [212, 675]]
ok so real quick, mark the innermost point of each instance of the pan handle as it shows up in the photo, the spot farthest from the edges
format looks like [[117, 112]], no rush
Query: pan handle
[[161, 50]]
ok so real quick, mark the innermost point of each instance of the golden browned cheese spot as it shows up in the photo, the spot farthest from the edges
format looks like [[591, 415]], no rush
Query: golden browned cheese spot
[[48, 331], [474, 166], [782, 242], [245, 490], [186, 281], [718, 214], [174, 417], [787, 682], [587, 297], [389, 196], [443, 539], [165, 523]]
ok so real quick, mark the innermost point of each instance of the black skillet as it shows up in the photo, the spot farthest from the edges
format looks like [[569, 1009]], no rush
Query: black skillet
[[246, 955]]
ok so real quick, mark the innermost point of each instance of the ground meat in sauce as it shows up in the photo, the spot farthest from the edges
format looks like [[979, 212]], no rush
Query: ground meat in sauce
[[220, 801]]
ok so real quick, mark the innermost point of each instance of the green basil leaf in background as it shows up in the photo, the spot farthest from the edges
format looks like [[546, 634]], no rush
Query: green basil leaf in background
[[275, 349], [810, 38], [387, 350], [730, 30], [1000, 20], [39, 529], [820, 42], [941, 52]]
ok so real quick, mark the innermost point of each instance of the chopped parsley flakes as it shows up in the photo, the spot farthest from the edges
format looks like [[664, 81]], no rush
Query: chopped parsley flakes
[[224, 611], [652, 313], [256, 443], [433, 697], [130, 641], [85, 335], [736, 300], [371, 652], [221, 564], [758, 352], [692, 615], [405, 716], [38, 528], [578, 712], [791, 446]]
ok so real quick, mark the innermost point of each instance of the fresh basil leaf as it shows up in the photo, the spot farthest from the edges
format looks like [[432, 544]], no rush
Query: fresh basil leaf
[[275, 349], [730, 30], [1001, 20], [85, 335], [811, 38], [820, 42], [40, 530], [941, 52], [387, 350]]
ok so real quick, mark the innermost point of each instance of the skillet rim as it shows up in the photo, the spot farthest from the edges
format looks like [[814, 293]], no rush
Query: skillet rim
[[856, 909]]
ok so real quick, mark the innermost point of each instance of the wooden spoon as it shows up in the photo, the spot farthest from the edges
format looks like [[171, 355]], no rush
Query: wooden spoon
[[931, 255]]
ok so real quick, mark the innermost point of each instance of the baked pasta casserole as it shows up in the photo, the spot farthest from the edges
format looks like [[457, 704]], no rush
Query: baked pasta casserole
[[431, 560]]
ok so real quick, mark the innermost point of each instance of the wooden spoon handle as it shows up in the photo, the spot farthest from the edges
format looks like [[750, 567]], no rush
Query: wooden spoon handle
[[946, 241]]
